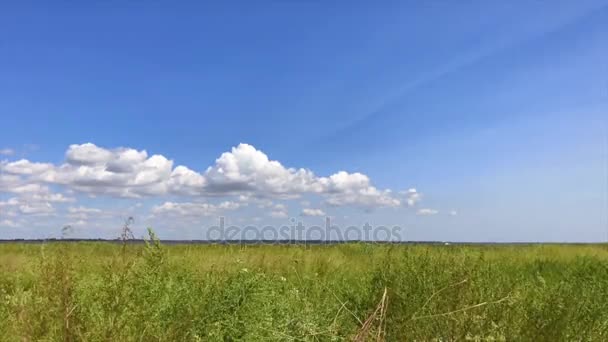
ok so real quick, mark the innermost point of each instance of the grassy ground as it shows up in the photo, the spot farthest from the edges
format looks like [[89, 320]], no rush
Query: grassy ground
[[104, 292]]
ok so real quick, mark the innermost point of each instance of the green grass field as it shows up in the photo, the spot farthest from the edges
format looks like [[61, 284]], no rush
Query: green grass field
[[107, 292]]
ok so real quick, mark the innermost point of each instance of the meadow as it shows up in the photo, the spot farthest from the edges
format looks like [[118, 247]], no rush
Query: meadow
[[365, 292]]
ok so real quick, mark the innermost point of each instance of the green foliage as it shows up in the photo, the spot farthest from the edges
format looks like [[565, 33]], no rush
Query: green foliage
[[151, 292]]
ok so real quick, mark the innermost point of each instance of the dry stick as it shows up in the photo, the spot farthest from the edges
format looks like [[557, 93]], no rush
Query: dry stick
[[382, 324], [383, 319], [280, 333], [463, 309], [435, 294], [337, 315], [363, 332], [71, 311], [343, 303], [438, 292]]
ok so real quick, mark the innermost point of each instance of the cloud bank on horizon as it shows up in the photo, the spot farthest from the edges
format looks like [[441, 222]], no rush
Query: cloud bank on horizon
[[237, 179]]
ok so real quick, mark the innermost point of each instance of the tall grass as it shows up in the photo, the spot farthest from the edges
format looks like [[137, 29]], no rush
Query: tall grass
[[108, 292]]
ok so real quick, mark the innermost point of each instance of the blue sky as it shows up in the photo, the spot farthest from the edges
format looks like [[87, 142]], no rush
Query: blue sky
[[495, 113]]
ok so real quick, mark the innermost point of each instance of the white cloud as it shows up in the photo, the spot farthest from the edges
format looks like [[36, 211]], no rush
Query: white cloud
[[193, 208], [243, 172], [89, 154], [240, 177], [186, 182], [121, 172], [229, 205], [279, 211], [345, 188], [8, 181], [246, 169], [79, 223], [280, 206], [9, 223], [83, 213], [27, 188], [427, 212], [51, 197], [312, 212], [263, 203], [33, 199], [32, 208], [278, 214], [412, 196], [6, 152], [453, 213], [10, 202], [25, 167], [83, 210], [38, 193]]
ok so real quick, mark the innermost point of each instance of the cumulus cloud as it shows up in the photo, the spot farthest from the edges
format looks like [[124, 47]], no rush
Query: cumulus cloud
[[244, 171], [312, 212], [427, 212], [33, 208], [184, 181], [193, 208], [412, 197], [50, 197], [39, 193], [25, 167], [89, 154], [121, 172], [27, 188], [107, 218], [9, 181], [32, 199], [279, 211], [345, 188], [278, 214], [242, 176]]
